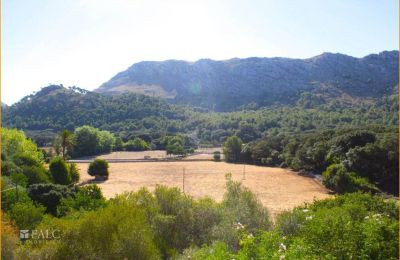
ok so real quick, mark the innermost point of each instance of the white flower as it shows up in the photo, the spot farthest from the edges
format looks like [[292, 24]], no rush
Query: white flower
[[305, 210], [282, 246]]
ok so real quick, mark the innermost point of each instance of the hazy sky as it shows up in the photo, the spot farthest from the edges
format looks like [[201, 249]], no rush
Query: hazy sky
[[86, 42]]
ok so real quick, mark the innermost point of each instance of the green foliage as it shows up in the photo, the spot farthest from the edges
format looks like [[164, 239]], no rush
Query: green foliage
[[11, 196], [60, 171], [15, 143], [87, 198], [49, 195], [337, 178], [26, 215], [351, 226], [128, 236], [217, 156], [36, 174], [74, 171], [137, 144], [90, 141], [232, 149], [99, 167]]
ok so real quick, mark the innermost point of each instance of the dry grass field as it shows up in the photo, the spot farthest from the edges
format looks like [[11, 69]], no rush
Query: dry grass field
[[203, 153], [278, 189]]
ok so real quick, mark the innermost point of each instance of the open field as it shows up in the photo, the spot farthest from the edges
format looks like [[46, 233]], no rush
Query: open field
[[203, 153], [278, 189]]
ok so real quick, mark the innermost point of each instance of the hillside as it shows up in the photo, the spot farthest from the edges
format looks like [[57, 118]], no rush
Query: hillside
[[229, 84], [55, 108]]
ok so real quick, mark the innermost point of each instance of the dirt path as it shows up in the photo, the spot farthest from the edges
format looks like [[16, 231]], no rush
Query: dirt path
[[278, 189]]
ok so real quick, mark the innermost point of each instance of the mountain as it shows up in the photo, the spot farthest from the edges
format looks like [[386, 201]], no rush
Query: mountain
[[229, 84]]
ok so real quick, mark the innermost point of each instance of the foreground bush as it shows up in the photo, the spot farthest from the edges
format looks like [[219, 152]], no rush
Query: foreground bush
[[119, 231], [352, 226]]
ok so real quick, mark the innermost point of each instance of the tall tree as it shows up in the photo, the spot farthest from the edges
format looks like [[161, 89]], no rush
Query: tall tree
[[66, 142]]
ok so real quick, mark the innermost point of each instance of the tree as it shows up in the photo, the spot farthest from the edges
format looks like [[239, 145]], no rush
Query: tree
[[66, 142], [49, 195], [60, 171], [18, 179], [14, 142], [137, 144], [73, 169], [99, 169], [232, 149], [86, 141]]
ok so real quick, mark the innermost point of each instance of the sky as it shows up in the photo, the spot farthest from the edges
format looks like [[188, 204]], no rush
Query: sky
[[86, 42]]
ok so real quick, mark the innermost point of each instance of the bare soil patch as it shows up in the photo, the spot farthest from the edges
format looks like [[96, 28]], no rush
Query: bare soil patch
[[278, 189]]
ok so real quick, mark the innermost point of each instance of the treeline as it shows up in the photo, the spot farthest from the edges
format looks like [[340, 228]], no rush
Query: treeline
[[349, 159], [56, 108], [88, 141]]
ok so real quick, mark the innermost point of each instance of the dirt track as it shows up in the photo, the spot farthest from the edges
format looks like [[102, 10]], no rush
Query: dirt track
[[278, 189]]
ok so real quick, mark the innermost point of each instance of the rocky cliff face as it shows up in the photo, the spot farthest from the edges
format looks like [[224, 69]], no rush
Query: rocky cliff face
[[226, 85]]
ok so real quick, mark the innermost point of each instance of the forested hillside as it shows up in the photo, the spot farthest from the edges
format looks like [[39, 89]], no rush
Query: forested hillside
[[229, 84], [55, 108]]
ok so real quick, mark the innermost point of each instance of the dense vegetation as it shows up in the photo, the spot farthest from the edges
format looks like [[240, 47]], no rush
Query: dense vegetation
[[130, 116], [349, 158]]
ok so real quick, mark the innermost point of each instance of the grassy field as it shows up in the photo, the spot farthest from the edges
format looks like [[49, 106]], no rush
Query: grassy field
[[203, 153], [278, 189]]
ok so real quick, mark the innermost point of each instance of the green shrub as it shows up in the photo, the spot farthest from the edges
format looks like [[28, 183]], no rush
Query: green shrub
[[87, 198], [337, 178], [26, 215], [136, 144], [49, 195], [128, 234], [36, 174], [60, 171], [74, 172], [99, 167], [11, 197], [217, 156]]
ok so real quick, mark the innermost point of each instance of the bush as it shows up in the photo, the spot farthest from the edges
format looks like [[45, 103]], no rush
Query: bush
[[129, 235], [75, 175], [338, 179], [87, 198], [10, 197], [60, 171], [49, 195], [26, 215], [99, 167], [136, 144], [36, 174], [9, 240], [217, 156]]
